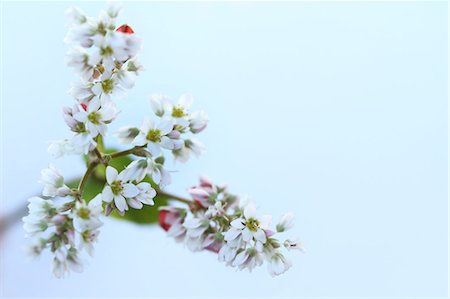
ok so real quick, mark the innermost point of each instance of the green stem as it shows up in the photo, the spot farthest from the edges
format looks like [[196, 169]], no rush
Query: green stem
[[85, 177], [122, 153], [176, 197]]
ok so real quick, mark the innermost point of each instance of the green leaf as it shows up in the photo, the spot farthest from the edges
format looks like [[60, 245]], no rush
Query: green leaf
[[146, 215]]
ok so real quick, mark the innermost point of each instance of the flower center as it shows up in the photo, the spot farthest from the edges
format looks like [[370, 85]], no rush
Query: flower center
[[106, 51], [116, 187], [177, 112], [107, 85], [252, 224], [83, 213], [94, 118], [154, 135]]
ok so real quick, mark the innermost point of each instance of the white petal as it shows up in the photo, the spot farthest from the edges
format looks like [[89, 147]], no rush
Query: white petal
[[260, 235], [237, 223], [107, 194], [165, 127], [120, 203], [250, 211], [154, 148], [246, 235], [130, 190], [111, 174]]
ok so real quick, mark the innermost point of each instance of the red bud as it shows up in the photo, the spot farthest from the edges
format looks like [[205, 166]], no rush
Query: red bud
[[84, 106], [162, 219], [125, 29]]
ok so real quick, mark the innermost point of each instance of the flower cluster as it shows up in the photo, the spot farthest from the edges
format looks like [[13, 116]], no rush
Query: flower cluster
[[216, 221], [67, 222], [104, 58]]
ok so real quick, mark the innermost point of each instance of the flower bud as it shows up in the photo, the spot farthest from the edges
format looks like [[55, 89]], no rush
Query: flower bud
[[125, 29], [286, 222]]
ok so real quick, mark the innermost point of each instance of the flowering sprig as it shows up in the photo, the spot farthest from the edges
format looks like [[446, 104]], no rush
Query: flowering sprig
[[65, 221], [218, 221]]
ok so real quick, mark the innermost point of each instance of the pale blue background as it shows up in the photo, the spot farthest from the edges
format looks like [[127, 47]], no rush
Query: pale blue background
[[335, 111]]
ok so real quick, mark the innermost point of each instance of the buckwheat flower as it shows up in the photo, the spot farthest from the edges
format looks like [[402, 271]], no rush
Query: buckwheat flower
[[200, 196], [248, 259], [40, 212], [171, 220], [97, 115], [213, 242], [227, 254], [78, 58], [145, 196], [82, 143], [107, 87], [82, 91], [189, 147], [115, 46], [179, 112], [118, 189], [126, 135], [138, 169], [72, 123], [250, 226], [286, 222], [198, 121], [82, 28], [157, 102], [155, 136], [53, 182], [215, 209], [86, 215], [87, 239], [196, 227], [278, 264], [35, 247], [66, 260], [59, 148], [295, 244]]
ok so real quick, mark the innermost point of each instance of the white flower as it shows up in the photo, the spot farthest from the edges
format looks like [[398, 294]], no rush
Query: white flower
[[196, 226], [156, 137], [87, 240], [81, 143], [108, 87], [215, 209], [97, 115], [114, 46], [78, 58], [81, 30], [53, 183], [35, 247], [294, 244], [198, 121], [68, 115], [248, 259], [82, 91], [145, 196], [59, 148], [118, 189], [227, 254], [189, 147], [86, 216], [40, 212], [157, 102], [278, 264], [249, 226], [65, 260], [286, 222], [138, 169], [126, 135]]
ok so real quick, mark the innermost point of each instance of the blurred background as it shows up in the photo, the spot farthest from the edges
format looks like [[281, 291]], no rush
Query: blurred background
[[334, 111]]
